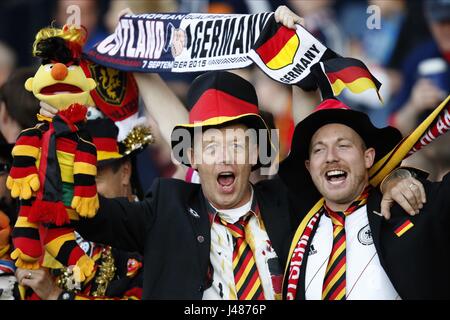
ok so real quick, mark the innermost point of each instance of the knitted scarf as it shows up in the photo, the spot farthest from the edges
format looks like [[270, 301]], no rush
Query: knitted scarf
[[48, 206]]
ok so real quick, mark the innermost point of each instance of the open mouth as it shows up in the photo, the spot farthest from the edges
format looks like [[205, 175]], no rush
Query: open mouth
[[335, 176], [59, 88], [226, 180]]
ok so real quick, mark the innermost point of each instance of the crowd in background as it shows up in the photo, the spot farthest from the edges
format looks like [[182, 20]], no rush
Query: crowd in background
[[406, 48], [406, 44]]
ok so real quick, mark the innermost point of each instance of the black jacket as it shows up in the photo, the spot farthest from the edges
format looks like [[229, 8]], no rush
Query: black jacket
[[171, 229], [417, 263]]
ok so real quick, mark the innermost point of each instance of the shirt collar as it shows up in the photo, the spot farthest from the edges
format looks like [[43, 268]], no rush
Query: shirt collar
[[212, 212]]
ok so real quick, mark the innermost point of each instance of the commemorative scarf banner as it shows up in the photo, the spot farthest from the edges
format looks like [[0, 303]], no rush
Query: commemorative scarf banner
[[203, 42], [180, 42]]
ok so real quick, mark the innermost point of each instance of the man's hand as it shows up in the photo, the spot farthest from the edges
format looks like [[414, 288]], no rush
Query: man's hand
[[40, 281], [426, 95], [402, 188], [47, 110], [285, 16]]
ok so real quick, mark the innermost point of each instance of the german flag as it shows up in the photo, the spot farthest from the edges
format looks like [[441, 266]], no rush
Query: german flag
[[349, 73], [277, 48], [403, 227]]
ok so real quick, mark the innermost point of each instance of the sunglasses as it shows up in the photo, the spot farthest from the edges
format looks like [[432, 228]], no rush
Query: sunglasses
[[4, 168]]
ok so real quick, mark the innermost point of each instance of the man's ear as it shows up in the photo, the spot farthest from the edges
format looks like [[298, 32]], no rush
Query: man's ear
[[126, 170], [369, 157], [307, 165], [29, 84], [191, 156]]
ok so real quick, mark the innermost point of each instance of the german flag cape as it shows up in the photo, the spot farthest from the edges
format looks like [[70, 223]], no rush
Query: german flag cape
[[436, 124]]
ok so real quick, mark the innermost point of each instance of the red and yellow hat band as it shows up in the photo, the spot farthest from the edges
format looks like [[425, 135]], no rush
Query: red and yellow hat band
[[217, 104]]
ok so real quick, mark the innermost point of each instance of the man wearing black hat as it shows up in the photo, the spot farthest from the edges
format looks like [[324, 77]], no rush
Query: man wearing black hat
[[343, 248]]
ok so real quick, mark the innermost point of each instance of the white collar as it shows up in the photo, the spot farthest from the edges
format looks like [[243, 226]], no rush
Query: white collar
[[233, 215]]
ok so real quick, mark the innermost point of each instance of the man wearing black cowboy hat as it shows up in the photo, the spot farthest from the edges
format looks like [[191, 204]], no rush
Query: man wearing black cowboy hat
[[343, 248]]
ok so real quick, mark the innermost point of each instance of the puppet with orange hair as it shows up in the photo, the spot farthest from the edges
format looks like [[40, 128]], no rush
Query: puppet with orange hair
[[54, 165]]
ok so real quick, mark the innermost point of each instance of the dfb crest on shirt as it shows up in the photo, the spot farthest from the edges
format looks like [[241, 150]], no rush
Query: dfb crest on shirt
[[312, 250], [365, 236]]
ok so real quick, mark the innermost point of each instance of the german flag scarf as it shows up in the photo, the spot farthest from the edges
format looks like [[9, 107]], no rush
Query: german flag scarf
[[48, 206], [436, 124], [296, 57]]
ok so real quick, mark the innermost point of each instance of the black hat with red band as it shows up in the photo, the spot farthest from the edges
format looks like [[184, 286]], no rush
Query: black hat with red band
[[217, 99]]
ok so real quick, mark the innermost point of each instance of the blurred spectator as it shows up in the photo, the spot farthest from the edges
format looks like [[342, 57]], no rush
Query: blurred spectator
[[320, 20], [90, 17], [136, 6], [178, 82], [434, 158], [7, 204], [438, 154], [18, 107], [19, 22], [426, 70], [8, 216], [233, 6], [7, 62], [383, 48], [402, 27]]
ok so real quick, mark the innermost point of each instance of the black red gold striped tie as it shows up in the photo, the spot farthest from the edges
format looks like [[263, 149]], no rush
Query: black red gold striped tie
[[334, 283], [246, 275]]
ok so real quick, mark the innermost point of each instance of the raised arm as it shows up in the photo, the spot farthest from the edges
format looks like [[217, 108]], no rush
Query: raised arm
[[303, 103], [161, 103], [164, 108]]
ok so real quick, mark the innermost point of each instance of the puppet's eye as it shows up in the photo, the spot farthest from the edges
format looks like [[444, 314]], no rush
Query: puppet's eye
[[71, 67], [48, 67]]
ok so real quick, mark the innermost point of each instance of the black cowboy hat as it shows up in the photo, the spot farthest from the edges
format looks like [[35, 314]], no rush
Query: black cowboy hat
[[217, 99], [293, 171]]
